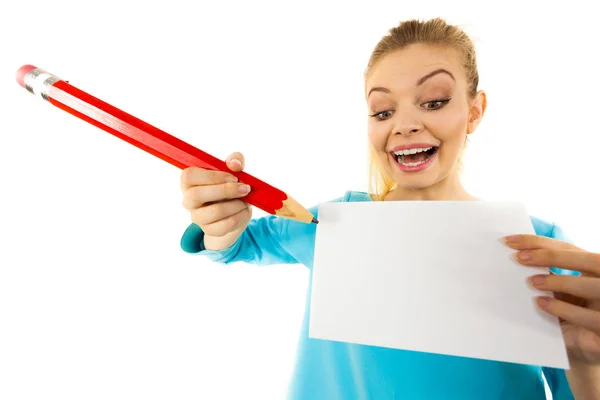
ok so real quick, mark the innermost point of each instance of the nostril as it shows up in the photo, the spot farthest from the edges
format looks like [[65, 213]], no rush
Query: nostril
[[408, 132]]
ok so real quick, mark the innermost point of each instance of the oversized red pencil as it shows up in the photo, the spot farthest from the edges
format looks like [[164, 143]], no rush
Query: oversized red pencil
[[151, 139]]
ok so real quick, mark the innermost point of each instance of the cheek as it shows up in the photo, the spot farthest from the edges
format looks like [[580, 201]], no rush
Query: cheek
[[451, 128], [377, 135]]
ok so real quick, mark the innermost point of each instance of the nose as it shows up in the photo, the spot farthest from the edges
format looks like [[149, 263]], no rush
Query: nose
[[406, 123]]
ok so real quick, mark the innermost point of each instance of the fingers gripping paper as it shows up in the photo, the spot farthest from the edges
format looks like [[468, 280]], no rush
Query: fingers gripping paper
[[431, 277]]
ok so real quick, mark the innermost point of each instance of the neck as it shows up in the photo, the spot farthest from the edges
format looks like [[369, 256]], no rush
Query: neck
[[449, 188]]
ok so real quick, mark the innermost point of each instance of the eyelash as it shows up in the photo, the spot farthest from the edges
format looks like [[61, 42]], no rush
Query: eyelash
[[442, 102]]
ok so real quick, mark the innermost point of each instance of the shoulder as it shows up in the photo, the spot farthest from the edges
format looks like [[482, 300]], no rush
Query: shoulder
[[352, 195], [548, 229], [553, 231]]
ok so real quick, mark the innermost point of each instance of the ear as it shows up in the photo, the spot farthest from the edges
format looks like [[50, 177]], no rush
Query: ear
[[476, 111]]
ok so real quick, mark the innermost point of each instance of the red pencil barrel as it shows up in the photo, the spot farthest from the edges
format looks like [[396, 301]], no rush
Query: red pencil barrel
[[139, 133]]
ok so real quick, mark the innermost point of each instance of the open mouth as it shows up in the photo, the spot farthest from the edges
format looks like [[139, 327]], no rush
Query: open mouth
[[415, 157]]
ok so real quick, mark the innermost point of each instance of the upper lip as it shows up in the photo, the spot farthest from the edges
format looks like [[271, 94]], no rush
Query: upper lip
[[413, 146]]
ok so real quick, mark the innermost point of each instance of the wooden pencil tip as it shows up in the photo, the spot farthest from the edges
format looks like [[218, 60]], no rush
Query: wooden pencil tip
[[315, 221]]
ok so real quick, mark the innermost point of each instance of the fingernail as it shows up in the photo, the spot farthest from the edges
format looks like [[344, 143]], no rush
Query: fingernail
[[512, 239], [231, 178], [236, 161], [543, 302], [537, 280], [524, 255], [242, 188]]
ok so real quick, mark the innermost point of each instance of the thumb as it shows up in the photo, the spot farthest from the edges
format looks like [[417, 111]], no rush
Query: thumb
[[235, 162]]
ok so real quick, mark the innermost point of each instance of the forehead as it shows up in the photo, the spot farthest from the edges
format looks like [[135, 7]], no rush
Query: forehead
[[405, 67]]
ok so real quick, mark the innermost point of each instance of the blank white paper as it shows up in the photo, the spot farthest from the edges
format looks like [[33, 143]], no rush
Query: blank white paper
[[431, 277]]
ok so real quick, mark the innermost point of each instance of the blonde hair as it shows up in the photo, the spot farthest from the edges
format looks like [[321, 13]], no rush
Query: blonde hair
[[435, 32]]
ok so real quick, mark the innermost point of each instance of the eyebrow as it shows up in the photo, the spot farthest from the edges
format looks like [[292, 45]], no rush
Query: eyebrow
[[434, 73], [419, 82]]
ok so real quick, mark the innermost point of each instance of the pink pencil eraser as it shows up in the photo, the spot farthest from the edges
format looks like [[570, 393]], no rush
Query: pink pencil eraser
[[22, 72]]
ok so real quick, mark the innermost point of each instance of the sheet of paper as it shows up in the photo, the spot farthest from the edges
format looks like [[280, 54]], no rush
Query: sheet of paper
[[430, 277]]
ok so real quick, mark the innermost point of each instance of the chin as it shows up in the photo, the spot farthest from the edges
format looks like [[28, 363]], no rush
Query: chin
[[415, 184]]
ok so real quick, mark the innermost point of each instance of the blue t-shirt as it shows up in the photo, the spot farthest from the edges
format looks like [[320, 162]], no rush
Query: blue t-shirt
[[335, 370]]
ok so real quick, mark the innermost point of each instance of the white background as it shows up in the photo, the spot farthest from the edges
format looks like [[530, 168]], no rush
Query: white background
[[97, 300]]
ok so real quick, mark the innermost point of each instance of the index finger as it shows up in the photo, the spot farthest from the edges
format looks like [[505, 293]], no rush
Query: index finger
[[531, 242], [194, 176]]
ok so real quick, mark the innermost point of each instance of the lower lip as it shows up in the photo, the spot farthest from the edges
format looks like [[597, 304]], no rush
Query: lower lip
[[416, 168]]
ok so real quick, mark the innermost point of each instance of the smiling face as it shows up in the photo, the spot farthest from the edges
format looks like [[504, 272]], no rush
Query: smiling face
[[420, 113]]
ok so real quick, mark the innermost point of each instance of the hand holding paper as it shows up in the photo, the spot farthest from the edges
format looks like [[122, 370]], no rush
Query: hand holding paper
[[577, 299]]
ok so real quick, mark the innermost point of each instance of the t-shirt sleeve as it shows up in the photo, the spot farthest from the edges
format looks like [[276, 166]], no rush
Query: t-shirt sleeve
[[267, 240], [262, 243], [558, 384]]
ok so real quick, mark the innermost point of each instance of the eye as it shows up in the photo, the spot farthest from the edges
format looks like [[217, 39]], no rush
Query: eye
[[383, 115], [435, 104]]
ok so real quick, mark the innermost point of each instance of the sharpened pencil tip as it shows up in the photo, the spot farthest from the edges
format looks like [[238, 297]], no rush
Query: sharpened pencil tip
[[315, 221]]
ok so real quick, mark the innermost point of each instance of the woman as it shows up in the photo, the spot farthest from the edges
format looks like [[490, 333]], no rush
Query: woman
[[421, 90]]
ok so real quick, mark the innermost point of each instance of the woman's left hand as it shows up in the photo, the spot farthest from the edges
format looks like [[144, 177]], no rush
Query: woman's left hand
[[577, 298]]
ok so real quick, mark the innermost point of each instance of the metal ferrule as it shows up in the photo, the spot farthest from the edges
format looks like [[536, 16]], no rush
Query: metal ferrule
[[38, 82]]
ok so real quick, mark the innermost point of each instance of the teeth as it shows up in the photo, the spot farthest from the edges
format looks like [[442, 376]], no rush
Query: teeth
[[400, 156], [413, 164], [407, 152]]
